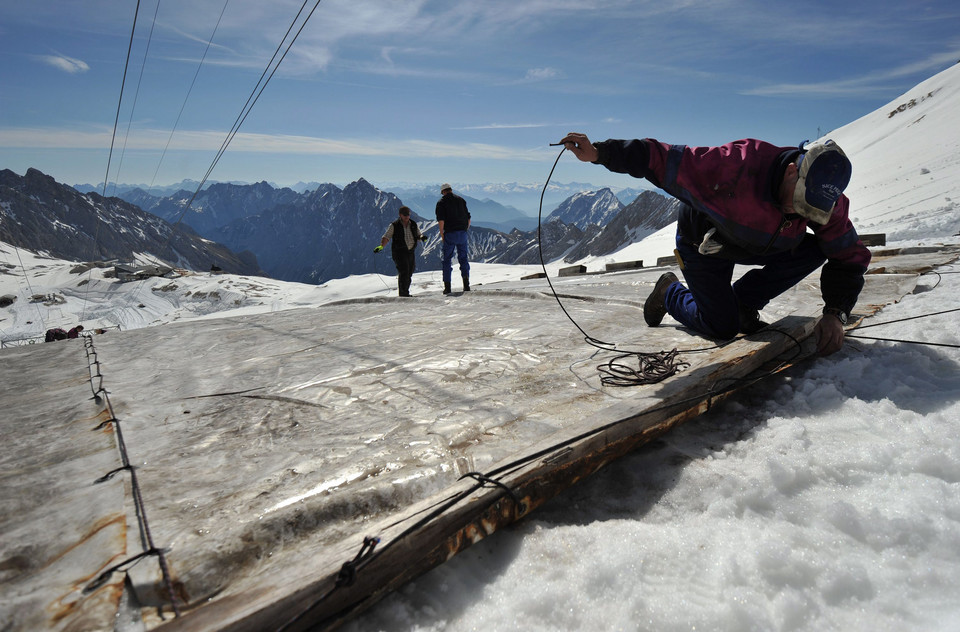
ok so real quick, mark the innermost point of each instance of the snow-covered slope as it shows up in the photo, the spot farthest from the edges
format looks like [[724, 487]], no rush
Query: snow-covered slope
[[906, 170], [906, 162]]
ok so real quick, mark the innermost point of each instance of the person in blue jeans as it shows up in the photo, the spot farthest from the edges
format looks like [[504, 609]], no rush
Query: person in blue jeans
[[453, 220], [747, 202]]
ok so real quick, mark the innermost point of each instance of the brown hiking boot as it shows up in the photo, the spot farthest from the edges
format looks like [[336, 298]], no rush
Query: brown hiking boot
[[654, 309]]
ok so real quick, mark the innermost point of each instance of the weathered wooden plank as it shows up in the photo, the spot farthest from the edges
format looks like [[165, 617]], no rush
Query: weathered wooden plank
[[623, 265], [572, 271], [874, 239]]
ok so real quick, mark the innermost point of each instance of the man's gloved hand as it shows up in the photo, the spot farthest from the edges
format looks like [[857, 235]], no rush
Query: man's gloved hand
[[709, 246], [423, 238], [377, 249]]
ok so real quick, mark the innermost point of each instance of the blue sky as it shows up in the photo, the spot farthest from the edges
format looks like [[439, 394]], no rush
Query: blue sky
[[425, 92]]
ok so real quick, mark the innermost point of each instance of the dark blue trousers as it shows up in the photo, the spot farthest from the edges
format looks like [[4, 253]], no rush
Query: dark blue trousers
[[709, 304], [406, 262], [455, 240]]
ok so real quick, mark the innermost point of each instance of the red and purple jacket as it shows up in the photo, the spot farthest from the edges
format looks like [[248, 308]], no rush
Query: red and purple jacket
[[734, 188]]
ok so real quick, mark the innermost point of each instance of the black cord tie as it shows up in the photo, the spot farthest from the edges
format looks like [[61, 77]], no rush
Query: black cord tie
[[106, 477], [122, 566], [483, 479], [348, 572], [149, 548], [112, 420]]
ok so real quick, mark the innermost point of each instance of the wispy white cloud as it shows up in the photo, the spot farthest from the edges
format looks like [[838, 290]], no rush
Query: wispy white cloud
[[205, 41], [153, 140], [542, 74], [868, 84], [509, 126], [66, 64]]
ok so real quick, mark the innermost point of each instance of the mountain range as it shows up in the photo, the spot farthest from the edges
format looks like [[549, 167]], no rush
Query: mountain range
[[42, 215], [314, 236], [514, 201]]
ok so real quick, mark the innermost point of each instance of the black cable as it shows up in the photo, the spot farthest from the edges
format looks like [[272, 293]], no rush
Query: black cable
[[912, 342], [900, 320], [136, 96], [126, 137], [113, 138], [123, 82], [146, 537], [252, 100], [652, 367], [939, 278], [189, 91], [710, 394], [244, 112]]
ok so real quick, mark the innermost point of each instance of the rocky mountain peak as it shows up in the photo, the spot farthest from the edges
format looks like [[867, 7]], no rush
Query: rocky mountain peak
[[588, 207]]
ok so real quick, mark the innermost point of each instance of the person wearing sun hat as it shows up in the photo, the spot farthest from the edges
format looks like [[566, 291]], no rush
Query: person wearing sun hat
[[748, 202], [453, 221]]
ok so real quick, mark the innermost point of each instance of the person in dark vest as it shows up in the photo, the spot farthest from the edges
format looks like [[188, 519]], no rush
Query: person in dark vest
[[75, 332], [453, 219], [405, 235]]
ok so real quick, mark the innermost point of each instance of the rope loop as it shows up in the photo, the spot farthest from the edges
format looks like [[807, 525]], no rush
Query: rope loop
[[122, 566], [106, 477], [348, 572], [484, 479]]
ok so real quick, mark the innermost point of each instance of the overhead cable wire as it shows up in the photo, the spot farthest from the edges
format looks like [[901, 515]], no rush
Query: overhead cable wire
[[126, 137], [244, 112], [189, 91], [253, 98], [113, 138], [123, 82], [136, 96]]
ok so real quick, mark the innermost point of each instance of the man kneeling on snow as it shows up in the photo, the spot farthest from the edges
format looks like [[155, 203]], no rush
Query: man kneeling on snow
[[747, 202]]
